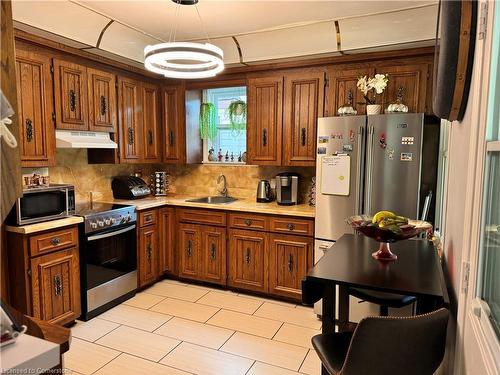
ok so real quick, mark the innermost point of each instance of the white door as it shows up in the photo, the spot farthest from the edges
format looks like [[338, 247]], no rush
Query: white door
[[478, 339]]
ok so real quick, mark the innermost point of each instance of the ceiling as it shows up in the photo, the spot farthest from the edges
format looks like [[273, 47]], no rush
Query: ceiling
[[249, 32], [234, 17]]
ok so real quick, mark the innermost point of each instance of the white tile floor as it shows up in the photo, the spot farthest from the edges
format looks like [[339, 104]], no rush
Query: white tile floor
[[177, 328]]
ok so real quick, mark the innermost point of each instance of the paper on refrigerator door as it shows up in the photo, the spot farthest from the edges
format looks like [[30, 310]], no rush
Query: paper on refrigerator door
[[335, 174]]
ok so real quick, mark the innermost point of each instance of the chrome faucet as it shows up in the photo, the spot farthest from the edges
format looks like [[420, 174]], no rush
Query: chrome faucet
[[223, 191]]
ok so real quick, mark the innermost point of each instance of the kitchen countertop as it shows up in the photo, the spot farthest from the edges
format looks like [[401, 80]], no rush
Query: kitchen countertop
[[242, 205], [46, 225]]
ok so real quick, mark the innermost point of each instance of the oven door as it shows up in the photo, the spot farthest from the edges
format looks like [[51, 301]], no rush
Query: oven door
[[36, 206], [110, 263]]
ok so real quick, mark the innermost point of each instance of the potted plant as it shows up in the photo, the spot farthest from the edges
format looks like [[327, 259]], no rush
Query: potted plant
[[237, 113], [378, 83], [208, 121]]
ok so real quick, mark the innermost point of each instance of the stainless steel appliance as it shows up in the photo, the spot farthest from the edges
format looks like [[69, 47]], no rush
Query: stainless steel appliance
[[108, 256], [44, 203], [264, 192], [129, 187], [287, 187], [384, 156]]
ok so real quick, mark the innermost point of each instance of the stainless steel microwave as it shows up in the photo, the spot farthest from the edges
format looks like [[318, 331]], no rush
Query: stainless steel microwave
[[45, 203]]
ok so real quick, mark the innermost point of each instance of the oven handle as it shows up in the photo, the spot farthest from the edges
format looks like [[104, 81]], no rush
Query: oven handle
[[110, 234]]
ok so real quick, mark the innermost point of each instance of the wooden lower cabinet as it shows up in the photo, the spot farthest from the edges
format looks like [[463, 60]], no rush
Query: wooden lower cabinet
[[45, 285], [55, 283], [166, 258], [213, 254], [289, 262], [147, 257], [189, 244], [248, 260]]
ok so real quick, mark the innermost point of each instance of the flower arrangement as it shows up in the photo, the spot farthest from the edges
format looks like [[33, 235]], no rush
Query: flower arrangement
[[377, 83]]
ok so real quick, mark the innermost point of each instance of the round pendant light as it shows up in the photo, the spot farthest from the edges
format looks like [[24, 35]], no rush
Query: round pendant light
[[185, 60]]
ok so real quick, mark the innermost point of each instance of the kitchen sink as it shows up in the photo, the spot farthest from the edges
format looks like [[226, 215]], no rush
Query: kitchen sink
[[213, 200]]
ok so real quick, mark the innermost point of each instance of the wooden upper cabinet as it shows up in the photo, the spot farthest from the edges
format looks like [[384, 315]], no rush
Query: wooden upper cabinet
[[130, 113], [55, 286], [342, 90], [71, 96], [35, 108], [409, 81], [264, 120], [174, 129], [102, 101], [304, 99], [151, 133]]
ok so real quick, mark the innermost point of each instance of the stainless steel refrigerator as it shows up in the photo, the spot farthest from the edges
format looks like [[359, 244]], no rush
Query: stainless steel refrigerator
[[382, 156]]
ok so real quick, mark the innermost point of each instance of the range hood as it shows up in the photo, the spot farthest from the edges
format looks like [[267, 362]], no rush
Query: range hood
[[79, 139]]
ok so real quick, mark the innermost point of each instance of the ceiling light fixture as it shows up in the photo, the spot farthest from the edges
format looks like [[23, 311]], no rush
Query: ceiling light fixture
[[185, 60]]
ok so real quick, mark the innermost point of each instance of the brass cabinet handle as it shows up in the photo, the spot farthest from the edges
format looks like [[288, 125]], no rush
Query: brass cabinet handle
[[290, 226], [72, 100], [303, 136], [264, 137], [150, 137], [103, 105], [290, 262], [247, 256], [148, 252], [130, 136], [57, 285], [29, 130], [190, 249], [55, 241], [248, 222], [213, 252], [171, 138], [148, 218]]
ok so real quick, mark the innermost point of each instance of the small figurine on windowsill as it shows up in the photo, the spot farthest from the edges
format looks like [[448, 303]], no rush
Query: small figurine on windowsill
[[211, 155], [219, 155], [226, 159], [239, 158], [232, 156]]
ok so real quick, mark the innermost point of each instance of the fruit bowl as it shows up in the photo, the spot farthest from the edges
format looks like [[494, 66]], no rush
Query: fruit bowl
[[363, 224]]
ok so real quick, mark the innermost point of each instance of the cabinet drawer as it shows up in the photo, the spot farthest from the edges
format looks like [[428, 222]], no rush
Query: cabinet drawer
[[292, 225], [248, 221], [147, 217], [54, 240], [202, 216]]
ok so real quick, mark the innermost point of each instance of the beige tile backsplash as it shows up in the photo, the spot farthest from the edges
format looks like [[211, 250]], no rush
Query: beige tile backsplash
[[194, 179]]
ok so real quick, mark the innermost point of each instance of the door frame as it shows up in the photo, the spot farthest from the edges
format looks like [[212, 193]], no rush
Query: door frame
[[473, 204]]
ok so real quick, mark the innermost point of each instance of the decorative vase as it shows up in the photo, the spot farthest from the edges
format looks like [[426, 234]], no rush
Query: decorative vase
[[373, 109]]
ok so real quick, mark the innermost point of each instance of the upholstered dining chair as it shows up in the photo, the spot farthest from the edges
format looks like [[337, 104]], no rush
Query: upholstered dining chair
[[386, 346], [383, 299]]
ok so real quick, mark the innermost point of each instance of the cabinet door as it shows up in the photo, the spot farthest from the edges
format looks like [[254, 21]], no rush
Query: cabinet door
[[213, 255], [55, 283], [264, 120], [151, 135], [148, 254], [407, 81], [174, 130], [189, 242], [102, 101], [130, 110], [70, 93], [167, 240], [248, 260], [289, 262], [35, 106], [342, 90], [304, 97]]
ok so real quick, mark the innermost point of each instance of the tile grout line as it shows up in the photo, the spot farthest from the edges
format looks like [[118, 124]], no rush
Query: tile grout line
[[302, 363], [224, 343], [170, 351], [275, 333], [114, 329], [120, 353], [254, 362]]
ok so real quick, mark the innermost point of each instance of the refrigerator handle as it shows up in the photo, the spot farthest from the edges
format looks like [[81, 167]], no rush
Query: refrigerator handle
[[369, 171], [358, 171]]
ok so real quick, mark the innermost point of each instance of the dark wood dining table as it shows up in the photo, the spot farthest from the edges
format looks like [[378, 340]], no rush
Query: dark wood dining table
[[348, 263]]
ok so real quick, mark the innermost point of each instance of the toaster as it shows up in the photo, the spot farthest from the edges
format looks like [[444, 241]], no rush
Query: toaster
[[129, 187]]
